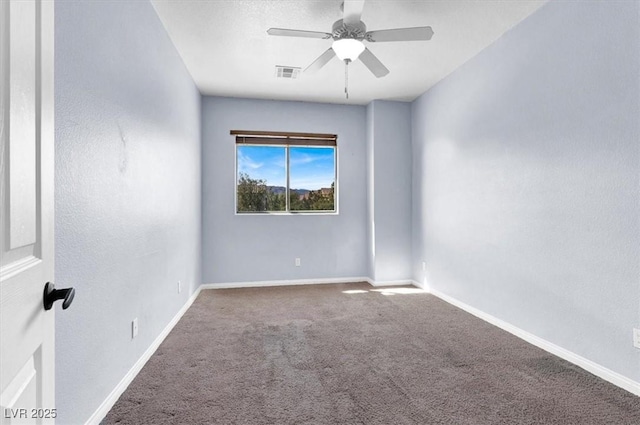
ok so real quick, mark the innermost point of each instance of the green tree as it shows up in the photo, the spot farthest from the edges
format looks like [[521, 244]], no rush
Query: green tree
[[254, 196], [251, 194], [322, 199], [276, 201], [297, 203], [315, 200]]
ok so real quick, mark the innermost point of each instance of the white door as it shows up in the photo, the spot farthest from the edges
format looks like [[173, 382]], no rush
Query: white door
[[26, 215]]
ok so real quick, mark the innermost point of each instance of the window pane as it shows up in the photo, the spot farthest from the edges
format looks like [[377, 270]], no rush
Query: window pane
[[261, 180], [312, 176]]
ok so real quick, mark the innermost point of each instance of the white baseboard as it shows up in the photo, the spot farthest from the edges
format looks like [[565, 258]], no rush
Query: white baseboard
[[586, 364], [596, 369], [111, 399], [390, 282], [293, 282]]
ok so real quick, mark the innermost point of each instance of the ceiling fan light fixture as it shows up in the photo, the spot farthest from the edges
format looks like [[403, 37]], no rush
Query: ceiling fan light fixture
[[348, 48]]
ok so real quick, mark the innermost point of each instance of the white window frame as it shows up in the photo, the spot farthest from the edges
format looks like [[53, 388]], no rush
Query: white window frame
[[290, 138]]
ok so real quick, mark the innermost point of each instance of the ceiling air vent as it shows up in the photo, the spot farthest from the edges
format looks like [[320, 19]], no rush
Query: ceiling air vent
[[289, 72]]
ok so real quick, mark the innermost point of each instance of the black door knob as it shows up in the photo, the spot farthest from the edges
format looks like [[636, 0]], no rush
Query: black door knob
[[51, 295]]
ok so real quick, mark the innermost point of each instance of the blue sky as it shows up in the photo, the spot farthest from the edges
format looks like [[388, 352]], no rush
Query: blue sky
[[311, 167]]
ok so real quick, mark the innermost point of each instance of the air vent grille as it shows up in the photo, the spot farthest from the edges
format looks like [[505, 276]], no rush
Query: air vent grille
[[288, 72]]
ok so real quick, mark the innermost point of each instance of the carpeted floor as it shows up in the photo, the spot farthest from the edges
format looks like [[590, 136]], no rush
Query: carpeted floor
[[353, 354]]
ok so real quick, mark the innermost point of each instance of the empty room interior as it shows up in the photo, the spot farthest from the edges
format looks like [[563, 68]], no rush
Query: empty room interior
[[324, 212]]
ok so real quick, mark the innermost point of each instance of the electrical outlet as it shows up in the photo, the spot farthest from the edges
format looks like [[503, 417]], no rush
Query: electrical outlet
[[636, 338], [297, 262], [134, 328], [424, 265], [179, 287]]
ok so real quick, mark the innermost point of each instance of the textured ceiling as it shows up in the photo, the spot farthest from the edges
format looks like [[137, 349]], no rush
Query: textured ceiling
[[227, 50]]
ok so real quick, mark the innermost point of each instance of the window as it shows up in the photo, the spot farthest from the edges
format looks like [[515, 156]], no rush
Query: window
[[285, 172]]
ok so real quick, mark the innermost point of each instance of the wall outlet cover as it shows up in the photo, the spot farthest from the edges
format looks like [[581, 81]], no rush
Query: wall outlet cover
[[297, 262], [636, 338], [179, 287]]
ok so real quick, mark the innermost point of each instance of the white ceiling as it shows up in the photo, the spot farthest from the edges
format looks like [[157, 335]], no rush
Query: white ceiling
[[225, 45]]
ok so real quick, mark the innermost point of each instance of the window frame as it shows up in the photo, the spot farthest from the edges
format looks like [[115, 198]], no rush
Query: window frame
[[286, 140]]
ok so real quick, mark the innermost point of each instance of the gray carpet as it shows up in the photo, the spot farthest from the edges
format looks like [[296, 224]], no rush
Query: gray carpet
[[317, 355]]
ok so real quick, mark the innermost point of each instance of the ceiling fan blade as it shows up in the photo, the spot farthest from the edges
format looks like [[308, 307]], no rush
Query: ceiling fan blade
[[373, 63], [400, 34], [321, 61], [298, 33], [352, 11]]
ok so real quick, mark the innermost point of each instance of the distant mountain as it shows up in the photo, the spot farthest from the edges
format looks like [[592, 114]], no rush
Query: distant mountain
[[280, 190]]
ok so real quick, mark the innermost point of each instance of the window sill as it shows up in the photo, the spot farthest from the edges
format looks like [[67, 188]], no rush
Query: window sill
[[253, 214]]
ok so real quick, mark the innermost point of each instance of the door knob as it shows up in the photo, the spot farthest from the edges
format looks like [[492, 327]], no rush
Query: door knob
[[51, 295]]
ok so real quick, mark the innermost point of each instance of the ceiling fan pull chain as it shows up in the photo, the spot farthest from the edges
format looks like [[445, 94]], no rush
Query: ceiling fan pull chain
[[346, 77]]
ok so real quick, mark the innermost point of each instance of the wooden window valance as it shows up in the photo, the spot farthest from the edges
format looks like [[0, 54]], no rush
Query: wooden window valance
[[248, 137]]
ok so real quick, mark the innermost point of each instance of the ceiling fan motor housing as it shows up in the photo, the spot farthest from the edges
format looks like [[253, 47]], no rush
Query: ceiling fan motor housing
[[341, 30]]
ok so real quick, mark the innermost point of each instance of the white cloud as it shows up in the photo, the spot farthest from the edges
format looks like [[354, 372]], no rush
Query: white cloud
[[245, 162], [304, 158]]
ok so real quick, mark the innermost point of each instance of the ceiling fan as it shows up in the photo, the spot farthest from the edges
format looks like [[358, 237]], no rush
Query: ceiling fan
[[348, 35]]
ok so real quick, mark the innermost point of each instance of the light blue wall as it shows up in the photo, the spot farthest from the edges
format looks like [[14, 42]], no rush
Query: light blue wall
[[526, 182], [389, 189], [371, 229], [524, 187], [127, 193], [245, 248]]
